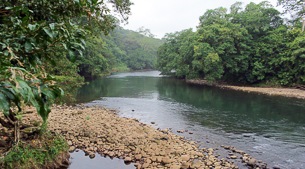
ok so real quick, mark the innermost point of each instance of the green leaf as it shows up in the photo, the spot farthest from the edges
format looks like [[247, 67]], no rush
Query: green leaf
[[48, 32], [24, 90], [4, 104], [83, 42], [52, 26], [32, 27], [28, 46], [65, 46]]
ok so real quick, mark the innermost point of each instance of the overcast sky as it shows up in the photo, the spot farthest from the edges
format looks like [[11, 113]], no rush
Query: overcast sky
[[167, 16]]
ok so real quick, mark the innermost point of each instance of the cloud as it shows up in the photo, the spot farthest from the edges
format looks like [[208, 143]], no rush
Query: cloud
[[166, 16]]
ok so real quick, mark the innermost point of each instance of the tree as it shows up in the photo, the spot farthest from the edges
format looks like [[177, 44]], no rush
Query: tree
[[176, 54], [295, 7], [146, 32], [31, 34]]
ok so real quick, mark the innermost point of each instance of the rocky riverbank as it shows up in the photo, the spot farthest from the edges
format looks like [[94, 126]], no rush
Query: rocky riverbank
[[99, 130], [286, 92]]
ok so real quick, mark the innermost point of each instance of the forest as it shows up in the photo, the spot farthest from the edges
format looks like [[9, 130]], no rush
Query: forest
[[117, 51], [252, 44], [49, 48]]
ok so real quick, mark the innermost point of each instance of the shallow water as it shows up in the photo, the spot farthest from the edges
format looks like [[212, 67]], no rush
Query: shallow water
[[80, 161], [271, 129]]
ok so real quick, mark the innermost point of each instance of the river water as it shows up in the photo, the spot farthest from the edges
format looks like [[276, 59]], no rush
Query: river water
[[271, 129]]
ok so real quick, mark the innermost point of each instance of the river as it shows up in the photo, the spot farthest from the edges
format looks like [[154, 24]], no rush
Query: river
[[269, 128]]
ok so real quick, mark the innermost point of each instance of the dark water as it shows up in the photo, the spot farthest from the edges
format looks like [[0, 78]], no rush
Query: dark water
[[271, 129]]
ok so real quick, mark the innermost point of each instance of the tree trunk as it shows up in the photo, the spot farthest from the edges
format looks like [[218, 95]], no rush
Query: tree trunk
[[16, 123]]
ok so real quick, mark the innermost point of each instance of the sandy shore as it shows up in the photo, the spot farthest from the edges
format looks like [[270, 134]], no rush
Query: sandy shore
[[286, 92], [100, 130]]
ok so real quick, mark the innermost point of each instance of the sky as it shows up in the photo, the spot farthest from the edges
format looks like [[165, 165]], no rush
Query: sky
[[168, 16]]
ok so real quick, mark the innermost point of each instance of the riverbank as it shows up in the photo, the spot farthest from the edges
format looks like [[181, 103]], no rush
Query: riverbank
[[286, 92], [99, 130]]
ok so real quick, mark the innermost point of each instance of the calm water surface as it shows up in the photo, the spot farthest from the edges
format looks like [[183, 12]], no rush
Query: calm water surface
[[271, 129]]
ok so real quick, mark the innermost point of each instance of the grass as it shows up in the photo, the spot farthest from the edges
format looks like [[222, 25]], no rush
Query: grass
[[35, 153]]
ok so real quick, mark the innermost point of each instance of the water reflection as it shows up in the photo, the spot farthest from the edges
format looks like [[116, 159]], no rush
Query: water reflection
[[239, 112], [274, 126], [80, 161], [220, 109]]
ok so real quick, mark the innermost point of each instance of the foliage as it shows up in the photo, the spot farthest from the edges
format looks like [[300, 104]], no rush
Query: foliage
[[249, 45], [176, 54], [35, 33], [35, 154], [296, 8], [138, 51]]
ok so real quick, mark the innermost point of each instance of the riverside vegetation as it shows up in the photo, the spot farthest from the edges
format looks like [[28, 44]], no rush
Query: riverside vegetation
[[35, 35], [250, 45], [48, 45]]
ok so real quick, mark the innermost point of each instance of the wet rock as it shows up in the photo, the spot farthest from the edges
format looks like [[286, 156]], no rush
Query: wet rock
[[127, 159], [180, 131], [72, 149], [92, 155], [252, 162], [247, 135], [233, 157]]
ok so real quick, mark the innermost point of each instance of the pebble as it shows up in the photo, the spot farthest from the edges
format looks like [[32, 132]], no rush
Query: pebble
[[108, 134], [185, 157], [252, 162], [127, 159]]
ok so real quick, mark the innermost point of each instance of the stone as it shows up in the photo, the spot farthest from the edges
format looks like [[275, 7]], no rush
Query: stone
[[233, 157], [128, 139], [196, 164], [71, 149], [92, 155], [159, 159], [244, 159], [138, 157], [111, 154], [185, 165], [145, 165], [185, 157], [252, 162], [166, 160], [127, 159], [209, 163], [70, 143], [175, 166]]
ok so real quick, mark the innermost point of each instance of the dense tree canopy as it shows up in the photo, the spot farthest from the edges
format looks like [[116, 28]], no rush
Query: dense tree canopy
[[119, 50], [249, 45], [33, 33]]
